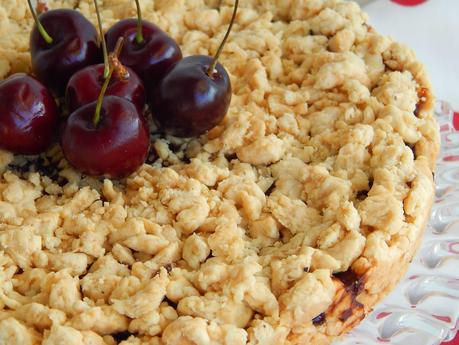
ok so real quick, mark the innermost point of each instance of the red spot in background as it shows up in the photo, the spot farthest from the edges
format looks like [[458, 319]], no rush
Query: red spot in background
[[442, 318], [409, 2], [456, 120], [451, 158], [382, 315]]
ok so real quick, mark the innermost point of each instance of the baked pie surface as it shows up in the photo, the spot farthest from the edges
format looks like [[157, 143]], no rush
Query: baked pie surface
[[285, 224]]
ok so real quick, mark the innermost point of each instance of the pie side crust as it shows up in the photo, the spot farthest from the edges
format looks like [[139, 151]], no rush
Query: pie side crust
[[285, 224]]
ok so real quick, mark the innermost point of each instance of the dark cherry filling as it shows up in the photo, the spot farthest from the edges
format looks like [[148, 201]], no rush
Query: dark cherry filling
[[362, 195], [319, 319], [171, 303], [412, 148], [352, 282], [354, 285], [346, 314], [121, 336], [270, 189]]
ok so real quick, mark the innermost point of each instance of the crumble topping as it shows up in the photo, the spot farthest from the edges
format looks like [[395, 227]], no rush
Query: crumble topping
[[321, 166]]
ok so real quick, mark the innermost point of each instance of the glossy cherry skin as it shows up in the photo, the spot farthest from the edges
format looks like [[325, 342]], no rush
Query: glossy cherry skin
[[150, 59], [85, 85], [28, 115], [187, 102], [75, 46], [115, 148]]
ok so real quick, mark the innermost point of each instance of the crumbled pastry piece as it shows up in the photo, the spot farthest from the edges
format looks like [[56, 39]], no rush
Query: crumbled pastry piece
[[68, 335], [264, 231], [102, 320], [262, 332], [392, 86], [321, 169], [286, 271], [180, 287], [15, 333], [228, 241], [382, 212], [39, 316], [145, 302], [308, 297], [20, 243], [195, 250], [65, 293], [76, 263], [216, 308], [295, 215], [189, 330], [266, 150]]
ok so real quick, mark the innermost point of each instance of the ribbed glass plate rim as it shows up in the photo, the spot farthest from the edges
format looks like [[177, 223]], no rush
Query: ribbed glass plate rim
[[424, 308]]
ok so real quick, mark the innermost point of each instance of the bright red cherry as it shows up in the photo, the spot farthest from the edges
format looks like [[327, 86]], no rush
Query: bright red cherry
[[195, 94], [187, 101], [28, 115], [62, 42], [114, 147], [147, 49], [84, 87]]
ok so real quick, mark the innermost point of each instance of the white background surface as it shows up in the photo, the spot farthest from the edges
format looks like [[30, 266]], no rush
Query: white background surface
[[432, 30]]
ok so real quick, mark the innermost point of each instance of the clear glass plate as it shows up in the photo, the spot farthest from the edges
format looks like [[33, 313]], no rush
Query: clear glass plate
[[424, 308]]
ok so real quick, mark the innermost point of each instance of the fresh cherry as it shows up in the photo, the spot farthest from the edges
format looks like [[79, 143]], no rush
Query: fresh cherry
[[85, 86], [147, 50], [114, 147], [62, 42], [28, 115], [195, 94], [187, 101]]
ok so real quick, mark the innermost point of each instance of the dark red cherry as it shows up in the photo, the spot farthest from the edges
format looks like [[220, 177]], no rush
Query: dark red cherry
[[84, 87], [195, 94], [187, 101], [74, 46], [28, 115], [152, 58], [115, 147]]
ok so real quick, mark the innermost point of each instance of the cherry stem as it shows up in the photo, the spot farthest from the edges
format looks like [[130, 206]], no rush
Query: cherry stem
[[48, 39], [212, 66], [103, 90], [139, 34], [104, 45]]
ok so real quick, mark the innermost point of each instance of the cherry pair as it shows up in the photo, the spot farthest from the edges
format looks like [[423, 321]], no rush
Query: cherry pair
[[63, 42], [187, 96], [29, 121]]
